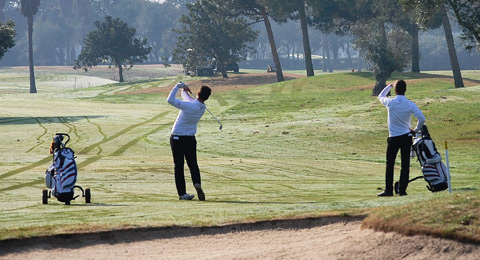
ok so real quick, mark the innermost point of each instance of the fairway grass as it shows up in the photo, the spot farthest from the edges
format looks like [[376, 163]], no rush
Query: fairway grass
[[308, 147]]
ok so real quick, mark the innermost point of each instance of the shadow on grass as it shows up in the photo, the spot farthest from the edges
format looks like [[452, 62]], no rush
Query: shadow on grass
[[411, 75], [98, 205], [262, 202], [35, 120], [128, 235]]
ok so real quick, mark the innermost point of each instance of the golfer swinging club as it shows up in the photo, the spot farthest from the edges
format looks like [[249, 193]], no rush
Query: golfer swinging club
[[182, 140]]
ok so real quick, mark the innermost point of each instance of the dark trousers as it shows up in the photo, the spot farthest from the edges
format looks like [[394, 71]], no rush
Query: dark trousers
[[404, 144], [184, 147]]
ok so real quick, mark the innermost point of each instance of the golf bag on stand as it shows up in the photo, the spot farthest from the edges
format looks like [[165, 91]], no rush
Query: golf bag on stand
[[61, 175], [434, 170]]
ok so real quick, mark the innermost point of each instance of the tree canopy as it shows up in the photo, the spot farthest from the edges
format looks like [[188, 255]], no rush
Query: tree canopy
[[62, 25], [112, 43], [7, 36], [257, 11], [467, 13], [207, 33]]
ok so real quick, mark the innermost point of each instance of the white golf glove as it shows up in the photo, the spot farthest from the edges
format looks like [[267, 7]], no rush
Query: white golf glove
[[181, 84]]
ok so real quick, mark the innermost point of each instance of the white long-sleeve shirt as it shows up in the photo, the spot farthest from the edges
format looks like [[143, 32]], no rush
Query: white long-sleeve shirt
[[191, 110], [400, 110]]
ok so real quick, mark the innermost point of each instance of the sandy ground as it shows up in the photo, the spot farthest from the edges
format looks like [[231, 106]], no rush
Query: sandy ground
[[323, 238]]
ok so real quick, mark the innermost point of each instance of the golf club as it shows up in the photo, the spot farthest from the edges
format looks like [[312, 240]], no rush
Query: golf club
[[221, 126]]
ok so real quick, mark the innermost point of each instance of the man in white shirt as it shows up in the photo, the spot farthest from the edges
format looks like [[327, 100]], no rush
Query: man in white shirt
[[182, 139], [400, 110]]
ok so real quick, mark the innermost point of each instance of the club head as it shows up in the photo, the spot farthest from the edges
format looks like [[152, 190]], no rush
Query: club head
[[220, 128]]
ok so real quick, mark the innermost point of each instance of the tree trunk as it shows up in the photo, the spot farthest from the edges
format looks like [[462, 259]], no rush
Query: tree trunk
[[120, 72], [327, 53], [415, 49], [273, 46], [33, 88], [384, 74], [324, 53], [380, 83], [457, 75], [360, 54], [306, 41], [221, 68], [72, 55], [224, 74], [69, 58], [349, 55]]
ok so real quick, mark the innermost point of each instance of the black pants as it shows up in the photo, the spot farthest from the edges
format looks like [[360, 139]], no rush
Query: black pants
[[184, 147], [404, 144]]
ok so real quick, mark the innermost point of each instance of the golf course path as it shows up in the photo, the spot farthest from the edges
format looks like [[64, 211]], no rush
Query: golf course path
[[331, 238]]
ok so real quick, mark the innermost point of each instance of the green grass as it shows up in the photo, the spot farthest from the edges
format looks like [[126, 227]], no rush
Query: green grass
[[302, 148]]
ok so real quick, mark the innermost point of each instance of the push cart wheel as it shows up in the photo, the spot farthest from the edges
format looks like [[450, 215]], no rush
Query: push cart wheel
[[397, 187], [88, 195], [45, 197]]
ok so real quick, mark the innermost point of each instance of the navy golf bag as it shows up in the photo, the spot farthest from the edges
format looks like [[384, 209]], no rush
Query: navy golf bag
[[61, 175]]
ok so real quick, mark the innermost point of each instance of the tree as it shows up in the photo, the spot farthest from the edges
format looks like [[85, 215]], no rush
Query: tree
[[7, 36], [29, 9], [257, 11], [386, 51], [209, 33], [426, 12], [467, 13], [114, 43], [66, 8], [2, 5], [296, 9], [376, 32], [332, 17], [457, 74], [156, 23]]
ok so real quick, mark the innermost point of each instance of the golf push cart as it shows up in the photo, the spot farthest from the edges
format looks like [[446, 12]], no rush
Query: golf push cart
[[61, 175]]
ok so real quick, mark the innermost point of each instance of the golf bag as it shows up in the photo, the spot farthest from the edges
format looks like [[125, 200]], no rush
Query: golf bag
[[433, 169], [61, 175]]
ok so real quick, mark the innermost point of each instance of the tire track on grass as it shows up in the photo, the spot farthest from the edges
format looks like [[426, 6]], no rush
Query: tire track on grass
[[71, 128], [98, 127], [39, 138], [89, 160], [122, 132], [62, 120], [100, 130]]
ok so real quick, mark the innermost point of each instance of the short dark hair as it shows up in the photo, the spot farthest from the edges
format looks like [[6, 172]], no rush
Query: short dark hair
[[400, 87], [204, 93]]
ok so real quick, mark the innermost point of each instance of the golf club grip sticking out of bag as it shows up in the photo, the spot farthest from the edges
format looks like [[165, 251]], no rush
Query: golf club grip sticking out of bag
[[64, 134], [192, 96]]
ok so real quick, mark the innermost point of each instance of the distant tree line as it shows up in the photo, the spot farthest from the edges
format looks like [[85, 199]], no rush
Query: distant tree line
[[382, 35], [62, 25]]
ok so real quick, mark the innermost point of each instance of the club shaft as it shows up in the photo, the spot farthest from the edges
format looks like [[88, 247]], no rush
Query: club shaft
[[209, 112], [213, 116]]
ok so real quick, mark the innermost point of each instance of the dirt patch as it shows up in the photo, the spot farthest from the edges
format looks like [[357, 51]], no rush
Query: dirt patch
[[320, 238], [241, 81], [219, 84]]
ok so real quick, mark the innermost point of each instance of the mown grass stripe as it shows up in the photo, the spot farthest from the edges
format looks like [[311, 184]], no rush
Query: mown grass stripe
[[26, 168], [122, 132]]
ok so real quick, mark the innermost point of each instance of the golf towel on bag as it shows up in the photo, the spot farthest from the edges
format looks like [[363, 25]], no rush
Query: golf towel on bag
[[433, 169], [61, 176]]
